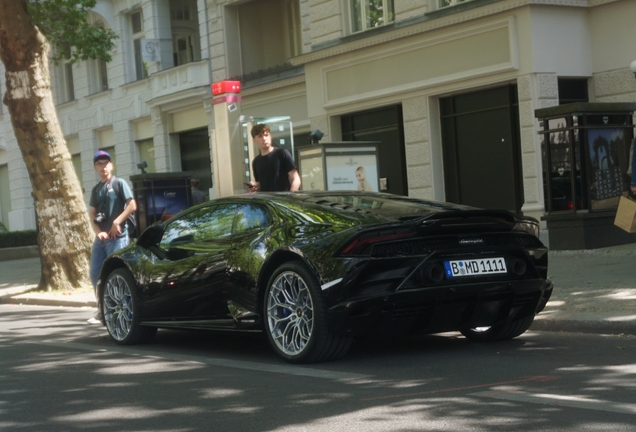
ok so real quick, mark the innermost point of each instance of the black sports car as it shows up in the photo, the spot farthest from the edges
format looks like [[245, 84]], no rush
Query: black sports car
[[313, 270]]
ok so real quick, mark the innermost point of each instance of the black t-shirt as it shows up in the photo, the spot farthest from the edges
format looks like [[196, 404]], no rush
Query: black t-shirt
[[271, 170]]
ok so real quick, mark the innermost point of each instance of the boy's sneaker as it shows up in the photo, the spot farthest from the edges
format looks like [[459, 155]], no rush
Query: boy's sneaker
[[97, 319]]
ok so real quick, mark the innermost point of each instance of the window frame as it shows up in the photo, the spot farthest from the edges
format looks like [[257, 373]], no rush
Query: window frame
[[65, 82], [364, 21], [97, 69], [184, 29], [140, 68], [443, 4]]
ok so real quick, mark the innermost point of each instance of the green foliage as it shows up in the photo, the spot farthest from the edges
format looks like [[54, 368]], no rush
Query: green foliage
[[64, 24], [18, 238], [3, 228]]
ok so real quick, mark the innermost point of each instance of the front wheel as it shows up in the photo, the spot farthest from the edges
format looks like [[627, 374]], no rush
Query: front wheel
[[296, 317], [120, 306], [505, 331]]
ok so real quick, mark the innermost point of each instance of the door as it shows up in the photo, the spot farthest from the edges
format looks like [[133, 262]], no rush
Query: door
[[186, 279], [384, 125], [195, 156], [252, 244], [482, 154]]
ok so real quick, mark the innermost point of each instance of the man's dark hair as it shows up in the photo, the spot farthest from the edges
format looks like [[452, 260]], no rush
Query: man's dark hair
[[258, 129]]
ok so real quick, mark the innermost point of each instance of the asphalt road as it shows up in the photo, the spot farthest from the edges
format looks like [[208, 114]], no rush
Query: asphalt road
[[60, 374]]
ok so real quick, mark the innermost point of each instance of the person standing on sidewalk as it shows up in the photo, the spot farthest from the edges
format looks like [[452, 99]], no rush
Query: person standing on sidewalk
[[110, 204], [274, 168], [197, 195]]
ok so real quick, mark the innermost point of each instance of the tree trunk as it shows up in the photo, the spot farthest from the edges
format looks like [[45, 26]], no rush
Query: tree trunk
[[65, 234]]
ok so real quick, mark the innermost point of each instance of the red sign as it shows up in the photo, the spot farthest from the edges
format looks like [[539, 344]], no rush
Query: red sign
[[222, 87]]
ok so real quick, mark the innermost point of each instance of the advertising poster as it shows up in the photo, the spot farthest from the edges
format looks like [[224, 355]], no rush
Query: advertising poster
[[605, 173], [312, 175], [357, 172], [165, 202]]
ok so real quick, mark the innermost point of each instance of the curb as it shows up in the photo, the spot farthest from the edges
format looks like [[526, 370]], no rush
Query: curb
[[584, 326], [22, 252], [47, 302]]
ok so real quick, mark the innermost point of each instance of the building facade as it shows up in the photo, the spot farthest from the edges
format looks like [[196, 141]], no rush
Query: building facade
[[449, 87]]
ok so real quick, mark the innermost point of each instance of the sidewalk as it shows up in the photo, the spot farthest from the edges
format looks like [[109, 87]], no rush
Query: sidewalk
[[594, 290], [19, 278]]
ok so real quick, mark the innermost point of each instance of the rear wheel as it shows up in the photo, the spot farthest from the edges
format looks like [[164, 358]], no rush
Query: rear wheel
[[120, 306], [296, 317], [505, 331]]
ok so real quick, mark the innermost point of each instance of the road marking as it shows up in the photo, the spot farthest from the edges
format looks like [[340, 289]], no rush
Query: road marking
[[561, 400], [540, 378], [210, 361]]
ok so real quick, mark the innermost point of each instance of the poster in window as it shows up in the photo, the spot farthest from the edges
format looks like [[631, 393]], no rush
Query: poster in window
[[312, 175], [604, 146], [357, 172]]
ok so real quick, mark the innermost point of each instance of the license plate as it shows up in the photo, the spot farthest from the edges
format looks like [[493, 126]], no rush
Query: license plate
[[474, 267]]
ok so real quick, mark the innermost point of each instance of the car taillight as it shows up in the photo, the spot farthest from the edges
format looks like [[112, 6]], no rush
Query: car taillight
[[358, 245]]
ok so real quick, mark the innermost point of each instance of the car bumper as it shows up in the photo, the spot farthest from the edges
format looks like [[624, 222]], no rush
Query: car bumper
[[439, 309]]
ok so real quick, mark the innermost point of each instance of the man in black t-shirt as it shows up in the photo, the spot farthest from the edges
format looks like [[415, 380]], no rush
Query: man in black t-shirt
[[274, 168]]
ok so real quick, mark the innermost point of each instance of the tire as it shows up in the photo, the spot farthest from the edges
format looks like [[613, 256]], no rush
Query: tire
[[505, 331], [120, 309], [296, 317]]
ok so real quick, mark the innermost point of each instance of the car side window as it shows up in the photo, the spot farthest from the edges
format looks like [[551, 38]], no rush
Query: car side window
[[205, 224], [250, 217]]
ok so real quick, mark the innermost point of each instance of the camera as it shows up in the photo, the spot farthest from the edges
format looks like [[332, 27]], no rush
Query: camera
[[99, 218]]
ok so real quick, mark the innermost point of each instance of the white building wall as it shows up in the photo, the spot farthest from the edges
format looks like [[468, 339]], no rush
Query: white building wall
[[527, 42]]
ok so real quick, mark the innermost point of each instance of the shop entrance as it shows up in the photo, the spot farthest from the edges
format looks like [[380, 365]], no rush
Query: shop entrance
[[384, 125], [195, 156], [481, 145]]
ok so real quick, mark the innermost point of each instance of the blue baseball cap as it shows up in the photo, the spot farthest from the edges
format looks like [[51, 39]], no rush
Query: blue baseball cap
[[100, 155]]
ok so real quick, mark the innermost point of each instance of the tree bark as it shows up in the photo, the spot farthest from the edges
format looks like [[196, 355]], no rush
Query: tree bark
[[65, 234]]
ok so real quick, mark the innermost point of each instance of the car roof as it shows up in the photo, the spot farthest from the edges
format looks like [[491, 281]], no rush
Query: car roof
[[370, 203]]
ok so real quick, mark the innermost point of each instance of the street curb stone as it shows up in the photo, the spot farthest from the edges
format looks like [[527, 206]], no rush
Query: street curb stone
[[16, 253], [584, 326]]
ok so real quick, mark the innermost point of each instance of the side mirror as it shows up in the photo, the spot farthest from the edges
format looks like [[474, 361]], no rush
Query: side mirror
[[151, 236], [180, 241]]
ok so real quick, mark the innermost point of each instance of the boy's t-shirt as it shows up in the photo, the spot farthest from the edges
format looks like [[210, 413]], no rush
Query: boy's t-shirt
[[105, 199], [272, 170]]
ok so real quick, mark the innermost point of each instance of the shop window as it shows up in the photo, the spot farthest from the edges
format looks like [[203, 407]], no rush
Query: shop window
[[368, 14], [385, 125], [572, 90], [248, 22], [195, 156], [185, 31], [585, 157], [146, 149]]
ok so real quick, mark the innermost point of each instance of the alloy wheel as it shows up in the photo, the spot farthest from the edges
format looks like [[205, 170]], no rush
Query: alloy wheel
[[118, 307], [290, 313]]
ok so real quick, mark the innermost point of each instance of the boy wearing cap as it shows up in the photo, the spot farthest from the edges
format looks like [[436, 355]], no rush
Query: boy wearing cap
[[108, 213]]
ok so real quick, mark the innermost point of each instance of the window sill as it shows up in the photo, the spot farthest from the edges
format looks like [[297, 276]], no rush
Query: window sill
[[67, 103], [99, 93]]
